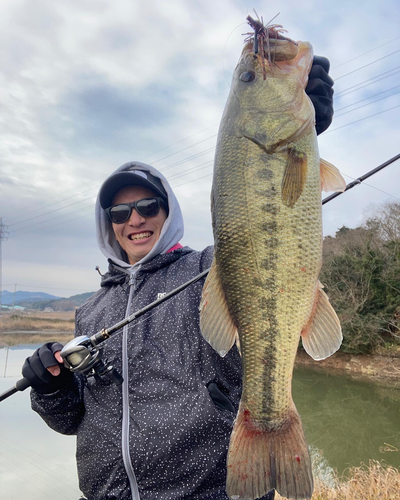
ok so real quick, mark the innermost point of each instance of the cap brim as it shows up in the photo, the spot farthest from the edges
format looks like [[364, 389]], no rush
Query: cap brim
[[121, 180]]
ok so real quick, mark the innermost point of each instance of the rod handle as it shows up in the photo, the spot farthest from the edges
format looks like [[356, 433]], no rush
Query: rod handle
[[20, 385]]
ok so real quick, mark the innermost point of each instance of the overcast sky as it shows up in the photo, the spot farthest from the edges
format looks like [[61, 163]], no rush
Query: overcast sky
[[87, 85]]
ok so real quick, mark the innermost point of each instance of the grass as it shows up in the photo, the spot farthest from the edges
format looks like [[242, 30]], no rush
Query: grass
[[376, 481], [14, 339], [37, 322]]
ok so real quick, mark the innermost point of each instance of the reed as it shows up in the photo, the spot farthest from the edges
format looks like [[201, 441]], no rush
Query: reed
[[55, 322], [367, 482]]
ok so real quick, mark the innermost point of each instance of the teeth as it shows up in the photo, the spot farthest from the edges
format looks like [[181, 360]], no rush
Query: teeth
[[139, 236]]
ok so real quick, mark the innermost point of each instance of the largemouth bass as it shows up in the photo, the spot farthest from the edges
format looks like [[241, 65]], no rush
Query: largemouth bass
[[263, 284]]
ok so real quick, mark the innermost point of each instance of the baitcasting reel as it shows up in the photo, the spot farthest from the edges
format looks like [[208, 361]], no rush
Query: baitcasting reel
[[83, 355]]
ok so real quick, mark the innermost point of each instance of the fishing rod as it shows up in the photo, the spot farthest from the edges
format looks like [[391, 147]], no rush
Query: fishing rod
[[84, 355], [359, 180]]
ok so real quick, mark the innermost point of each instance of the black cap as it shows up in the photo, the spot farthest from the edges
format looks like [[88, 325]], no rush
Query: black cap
[[133, 177]]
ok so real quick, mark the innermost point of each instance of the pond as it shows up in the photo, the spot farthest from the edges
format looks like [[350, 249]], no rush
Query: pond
[[346, 423]]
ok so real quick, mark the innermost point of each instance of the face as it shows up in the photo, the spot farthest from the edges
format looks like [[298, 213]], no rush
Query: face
[[138, 235]]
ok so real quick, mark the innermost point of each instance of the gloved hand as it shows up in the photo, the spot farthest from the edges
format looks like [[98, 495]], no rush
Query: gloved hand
[[319, 90], [35, 369]]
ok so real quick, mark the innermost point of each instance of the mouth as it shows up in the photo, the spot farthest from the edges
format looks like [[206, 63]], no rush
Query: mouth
[[140, 236]]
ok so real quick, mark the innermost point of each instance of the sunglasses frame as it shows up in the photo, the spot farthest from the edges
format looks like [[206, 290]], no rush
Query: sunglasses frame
[[133, 205]]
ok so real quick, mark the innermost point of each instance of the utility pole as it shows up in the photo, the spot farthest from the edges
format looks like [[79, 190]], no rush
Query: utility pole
[[3, 235]]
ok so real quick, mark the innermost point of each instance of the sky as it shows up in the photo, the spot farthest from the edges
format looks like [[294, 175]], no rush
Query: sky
[[87, 85]]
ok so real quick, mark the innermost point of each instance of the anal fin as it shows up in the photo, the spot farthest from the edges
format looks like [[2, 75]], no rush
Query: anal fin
[[322, 336], [215, 321]]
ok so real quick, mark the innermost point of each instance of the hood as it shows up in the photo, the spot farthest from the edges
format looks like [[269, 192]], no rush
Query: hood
[[171, 232]]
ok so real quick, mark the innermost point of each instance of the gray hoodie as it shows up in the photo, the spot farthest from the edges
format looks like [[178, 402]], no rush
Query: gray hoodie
[[171, 233]]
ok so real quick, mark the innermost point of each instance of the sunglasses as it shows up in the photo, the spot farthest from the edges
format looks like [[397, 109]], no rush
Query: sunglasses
[[148, 207]]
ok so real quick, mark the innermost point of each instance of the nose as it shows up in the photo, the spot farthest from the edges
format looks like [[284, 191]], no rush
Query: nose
[[136, 219]]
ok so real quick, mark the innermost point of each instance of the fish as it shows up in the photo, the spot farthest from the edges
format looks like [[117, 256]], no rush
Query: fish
[[263, 291]]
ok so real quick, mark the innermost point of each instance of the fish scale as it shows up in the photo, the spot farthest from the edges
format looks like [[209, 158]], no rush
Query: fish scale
[[263, 284]]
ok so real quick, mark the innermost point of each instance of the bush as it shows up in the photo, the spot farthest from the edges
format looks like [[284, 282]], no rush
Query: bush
[[361, 275]]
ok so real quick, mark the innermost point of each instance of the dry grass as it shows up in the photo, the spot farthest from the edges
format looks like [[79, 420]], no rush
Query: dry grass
[[13, 339], [373, 482], [37, 322]]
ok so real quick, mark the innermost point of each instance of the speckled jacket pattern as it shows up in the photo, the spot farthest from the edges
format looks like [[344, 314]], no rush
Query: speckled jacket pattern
[[178, 436]]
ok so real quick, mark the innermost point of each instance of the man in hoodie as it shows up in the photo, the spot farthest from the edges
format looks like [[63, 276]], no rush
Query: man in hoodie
[[164, 433]]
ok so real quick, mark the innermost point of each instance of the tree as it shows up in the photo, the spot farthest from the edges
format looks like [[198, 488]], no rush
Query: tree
[[361, 274]]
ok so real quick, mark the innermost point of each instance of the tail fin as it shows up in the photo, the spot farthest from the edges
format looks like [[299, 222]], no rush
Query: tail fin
[[260, 460]]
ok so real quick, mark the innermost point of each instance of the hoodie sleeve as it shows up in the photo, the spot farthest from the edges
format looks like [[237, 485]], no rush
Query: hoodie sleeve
[[63, 410]]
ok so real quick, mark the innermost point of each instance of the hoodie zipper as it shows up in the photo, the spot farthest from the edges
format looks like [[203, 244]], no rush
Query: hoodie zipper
[[125, 399]]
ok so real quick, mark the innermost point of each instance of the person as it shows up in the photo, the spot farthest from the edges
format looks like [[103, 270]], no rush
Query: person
[[164, 433]]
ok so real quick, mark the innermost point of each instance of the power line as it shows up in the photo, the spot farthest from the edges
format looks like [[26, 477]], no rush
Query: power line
[[46, 287], [361, 119], [63, 215], [367, 52], [368, 104], [195, 180], [360, 85], [366, 98], [369, 64], [176, 163], [47, 213], [184, 160]]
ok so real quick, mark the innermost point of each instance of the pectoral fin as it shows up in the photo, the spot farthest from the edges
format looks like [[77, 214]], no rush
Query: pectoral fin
[[215, 321], [331, 178], [322, 336], [294, 176]]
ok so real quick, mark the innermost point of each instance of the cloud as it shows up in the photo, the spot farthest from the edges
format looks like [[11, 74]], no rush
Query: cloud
[[86, 86]]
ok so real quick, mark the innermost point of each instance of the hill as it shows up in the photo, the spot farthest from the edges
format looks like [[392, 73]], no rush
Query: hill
[[7, 298], [59, 304]]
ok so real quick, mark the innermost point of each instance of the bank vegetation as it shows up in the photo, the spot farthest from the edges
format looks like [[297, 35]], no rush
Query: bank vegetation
[[361, 275]]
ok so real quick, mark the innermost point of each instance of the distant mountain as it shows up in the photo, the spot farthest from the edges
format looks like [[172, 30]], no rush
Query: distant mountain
[[7, 298], [58, 304]]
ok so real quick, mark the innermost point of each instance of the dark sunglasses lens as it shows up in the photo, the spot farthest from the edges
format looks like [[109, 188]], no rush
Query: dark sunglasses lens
[[119, 214], [148, 207]]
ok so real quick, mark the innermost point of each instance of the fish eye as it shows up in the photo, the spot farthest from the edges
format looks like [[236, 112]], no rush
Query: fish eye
[[247, 76]]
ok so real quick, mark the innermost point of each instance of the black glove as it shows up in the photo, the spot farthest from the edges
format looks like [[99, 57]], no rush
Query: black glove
[[319, 90], [35, 370]]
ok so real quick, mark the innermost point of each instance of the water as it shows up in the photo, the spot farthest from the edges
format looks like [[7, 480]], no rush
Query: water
[[346, 423], [35, 462]]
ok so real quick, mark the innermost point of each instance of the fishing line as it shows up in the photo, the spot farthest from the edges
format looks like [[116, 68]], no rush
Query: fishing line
[[359, 180], [224, 50], [371, 186]]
